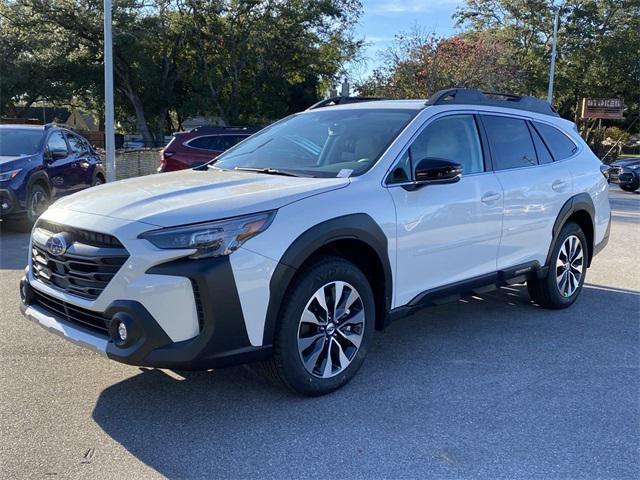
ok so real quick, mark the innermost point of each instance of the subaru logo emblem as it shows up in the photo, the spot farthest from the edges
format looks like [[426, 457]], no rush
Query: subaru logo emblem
[[57, 244]]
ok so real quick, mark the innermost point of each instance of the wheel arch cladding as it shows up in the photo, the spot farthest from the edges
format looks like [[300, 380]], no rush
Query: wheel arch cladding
[[578, 209], [357, 238], [39, 178]]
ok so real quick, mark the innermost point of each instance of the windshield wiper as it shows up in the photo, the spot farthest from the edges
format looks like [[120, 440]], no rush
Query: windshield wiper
[[269, 171]]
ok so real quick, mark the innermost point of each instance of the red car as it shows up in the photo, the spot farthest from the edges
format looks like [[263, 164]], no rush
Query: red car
[[200, 145]]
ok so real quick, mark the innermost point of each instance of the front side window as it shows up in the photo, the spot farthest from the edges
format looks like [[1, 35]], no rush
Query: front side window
[[19, 141], [323, 143], [453, 138], [560, 145], [510, 141], [57, 143]]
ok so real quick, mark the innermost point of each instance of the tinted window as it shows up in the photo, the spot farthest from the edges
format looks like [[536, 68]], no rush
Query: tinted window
[[201, 142], [559, 144], [511, 142], [56, 143], [321, 142], [541, 149], [76, 144], [19, 141], [454, 138]]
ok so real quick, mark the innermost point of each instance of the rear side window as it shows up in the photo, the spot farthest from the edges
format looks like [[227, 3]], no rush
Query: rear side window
[[541, 149], [201, 142], [76, 143], [559, 144], [511, 142]]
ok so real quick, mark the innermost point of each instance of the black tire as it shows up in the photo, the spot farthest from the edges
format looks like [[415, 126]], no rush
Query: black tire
[[37, 202], [545, 291], [287, 364], [631, 187], [97, 180]]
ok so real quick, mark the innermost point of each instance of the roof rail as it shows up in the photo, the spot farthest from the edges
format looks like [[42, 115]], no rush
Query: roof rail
[[331, 101], [472, 96]]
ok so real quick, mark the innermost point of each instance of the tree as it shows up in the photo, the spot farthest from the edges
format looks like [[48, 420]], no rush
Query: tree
[[598, 45], [417, 65]]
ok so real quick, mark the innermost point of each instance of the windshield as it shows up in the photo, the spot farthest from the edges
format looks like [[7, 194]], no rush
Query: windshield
[[19, 141], [326, 143]]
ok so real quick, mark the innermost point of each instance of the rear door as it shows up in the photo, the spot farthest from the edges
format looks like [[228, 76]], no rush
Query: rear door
[[83, 168], [535, 188]]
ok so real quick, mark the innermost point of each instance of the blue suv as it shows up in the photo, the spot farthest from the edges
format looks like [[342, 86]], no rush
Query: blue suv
[[39, 164]]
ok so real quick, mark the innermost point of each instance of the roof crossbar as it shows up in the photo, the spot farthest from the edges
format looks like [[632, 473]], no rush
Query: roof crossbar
[[472, 96], [331, 101]]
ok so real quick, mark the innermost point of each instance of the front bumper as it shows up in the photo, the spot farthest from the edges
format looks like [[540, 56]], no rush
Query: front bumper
[[184, 314], [9, 204], [222, 342]]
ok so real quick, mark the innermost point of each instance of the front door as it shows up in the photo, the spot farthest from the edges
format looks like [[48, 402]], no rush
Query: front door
[[445, 233], [60, 164]]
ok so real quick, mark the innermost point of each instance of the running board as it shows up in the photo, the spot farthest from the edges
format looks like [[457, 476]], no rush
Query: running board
[[474, 286]]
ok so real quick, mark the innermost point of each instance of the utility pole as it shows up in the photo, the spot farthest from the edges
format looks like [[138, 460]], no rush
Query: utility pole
[[556, 11], [109, 131]]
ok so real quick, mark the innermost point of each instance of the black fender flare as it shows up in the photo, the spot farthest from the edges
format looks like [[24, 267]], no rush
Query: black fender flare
[[42, 176], [579, 202], [358, 226]]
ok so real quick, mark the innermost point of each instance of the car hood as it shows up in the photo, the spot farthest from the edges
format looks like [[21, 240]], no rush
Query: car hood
[[625, 163], [10, 162], [192, 196]]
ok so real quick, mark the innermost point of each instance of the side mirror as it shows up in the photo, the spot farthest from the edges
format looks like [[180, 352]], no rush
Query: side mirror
[[437, 171], [57, 155]]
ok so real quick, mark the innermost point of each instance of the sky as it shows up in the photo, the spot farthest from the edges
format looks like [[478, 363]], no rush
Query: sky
[[382, 19]]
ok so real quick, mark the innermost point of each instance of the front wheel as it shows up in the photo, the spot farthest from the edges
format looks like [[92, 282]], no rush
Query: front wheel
[[632, 187], [324, 328], [567, 270], [37, 203]]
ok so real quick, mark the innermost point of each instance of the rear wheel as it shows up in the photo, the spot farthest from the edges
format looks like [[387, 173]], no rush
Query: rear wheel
[[324, 328], [563, 283]]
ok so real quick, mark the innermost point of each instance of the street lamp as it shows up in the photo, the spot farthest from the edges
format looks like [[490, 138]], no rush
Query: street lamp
[[109, 131], [556, 11]]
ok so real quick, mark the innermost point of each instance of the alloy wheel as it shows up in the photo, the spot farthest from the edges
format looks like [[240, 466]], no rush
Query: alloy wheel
[[331, 329], [37, 204], [569, 266]]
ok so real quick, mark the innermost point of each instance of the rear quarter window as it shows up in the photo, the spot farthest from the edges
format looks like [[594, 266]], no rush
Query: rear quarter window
[[560, 145]]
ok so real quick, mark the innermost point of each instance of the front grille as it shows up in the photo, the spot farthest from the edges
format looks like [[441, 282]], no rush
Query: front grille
[[93, 321], [85, 269], [86, 237]]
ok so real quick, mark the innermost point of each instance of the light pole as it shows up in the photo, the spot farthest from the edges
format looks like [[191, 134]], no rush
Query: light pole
[[109, 132], [552, 69]]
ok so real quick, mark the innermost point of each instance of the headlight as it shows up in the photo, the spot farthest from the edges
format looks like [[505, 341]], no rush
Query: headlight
[[634, 167], [211, 239], [6, 176]]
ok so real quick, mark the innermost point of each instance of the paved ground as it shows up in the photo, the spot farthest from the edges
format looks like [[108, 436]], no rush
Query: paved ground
[[486, 388]]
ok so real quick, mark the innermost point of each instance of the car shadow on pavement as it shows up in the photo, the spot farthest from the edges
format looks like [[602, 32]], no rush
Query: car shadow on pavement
[[489, 386], [14, 246]]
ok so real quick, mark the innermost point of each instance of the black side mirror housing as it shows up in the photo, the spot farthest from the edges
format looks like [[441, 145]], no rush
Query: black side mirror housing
[[57, 155], [437, 171]]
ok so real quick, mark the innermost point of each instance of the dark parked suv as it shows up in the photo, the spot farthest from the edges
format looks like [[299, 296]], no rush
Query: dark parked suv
[[199, 145], [41, 163], [626, 173]]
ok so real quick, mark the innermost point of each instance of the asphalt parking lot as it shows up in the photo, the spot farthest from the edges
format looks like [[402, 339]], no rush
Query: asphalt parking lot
[[489, 387]]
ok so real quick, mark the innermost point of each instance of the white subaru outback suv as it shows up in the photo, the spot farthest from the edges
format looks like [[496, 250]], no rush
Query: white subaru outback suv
[[293, 246]]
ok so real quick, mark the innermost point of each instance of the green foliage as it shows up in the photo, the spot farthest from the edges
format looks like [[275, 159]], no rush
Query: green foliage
[[240, 60]]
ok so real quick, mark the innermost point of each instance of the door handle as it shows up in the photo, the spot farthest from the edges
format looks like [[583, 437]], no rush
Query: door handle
[[490, 197], [559, 185]]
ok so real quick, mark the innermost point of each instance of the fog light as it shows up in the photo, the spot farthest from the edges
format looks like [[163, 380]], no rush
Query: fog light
[[5, 206], [122, 332]]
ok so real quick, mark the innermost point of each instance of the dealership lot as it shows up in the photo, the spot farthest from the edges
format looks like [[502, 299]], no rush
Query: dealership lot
[[488, 387]]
